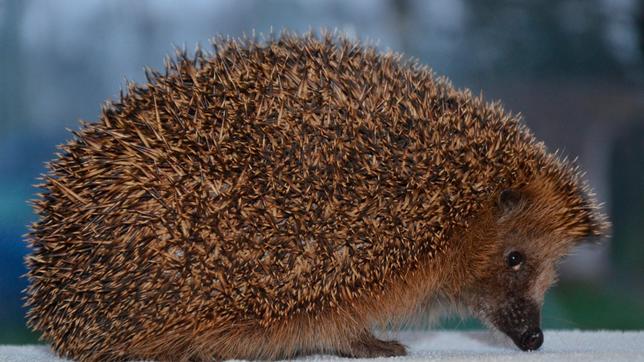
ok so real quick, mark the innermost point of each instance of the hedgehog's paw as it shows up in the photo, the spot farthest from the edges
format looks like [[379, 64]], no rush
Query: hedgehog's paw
[[368, 346]]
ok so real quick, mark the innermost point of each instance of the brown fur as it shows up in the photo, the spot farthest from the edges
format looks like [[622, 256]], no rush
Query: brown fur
[[279, 199]]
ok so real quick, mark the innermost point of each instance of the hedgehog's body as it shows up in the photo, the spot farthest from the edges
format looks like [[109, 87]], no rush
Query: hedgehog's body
[[277, 200]]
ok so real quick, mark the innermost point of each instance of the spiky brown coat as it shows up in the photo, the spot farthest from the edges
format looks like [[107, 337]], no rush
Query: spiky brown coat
[[273, 199]]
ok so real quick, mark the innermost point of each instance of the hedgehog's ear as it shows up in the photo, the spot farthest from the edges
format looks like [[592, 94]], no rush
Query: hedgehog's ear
[[508, 200]]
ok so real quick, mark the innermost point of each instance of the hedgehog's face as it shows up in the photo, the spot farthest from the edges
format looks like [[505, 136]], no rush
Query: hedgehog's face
[[515, 269], [510, 298]]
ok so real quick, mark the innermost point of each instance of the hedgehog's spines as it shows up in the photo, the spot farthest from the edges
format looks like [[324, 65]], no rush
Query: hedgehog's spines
[[269, 181]]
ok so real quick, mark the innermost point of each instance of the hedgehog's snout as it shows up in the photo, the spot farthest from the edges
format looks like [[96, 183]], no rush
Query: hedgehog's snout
[[531, 340], [520, 320]]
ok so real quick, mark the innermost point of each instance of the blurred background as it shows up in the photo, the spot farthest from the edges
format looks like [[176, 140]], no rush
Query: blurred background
[[574, 69]]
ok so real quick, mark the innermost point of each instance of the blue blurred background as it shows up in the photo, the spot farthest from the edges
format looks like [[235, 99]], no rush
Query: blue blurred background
[[574, 69]]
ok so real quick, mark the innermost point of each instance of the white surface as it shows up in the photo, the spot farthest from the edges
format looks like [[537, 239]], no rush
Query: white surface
[[462, 346]]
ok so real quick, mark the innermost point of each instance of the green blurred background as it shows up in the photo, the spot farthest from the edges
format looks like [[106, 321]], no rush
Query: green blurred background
[[573, 68]]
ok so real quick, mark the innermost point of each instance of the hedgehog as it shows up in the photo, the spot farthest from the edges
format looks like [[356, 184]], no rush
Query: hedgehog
[[296, 195]]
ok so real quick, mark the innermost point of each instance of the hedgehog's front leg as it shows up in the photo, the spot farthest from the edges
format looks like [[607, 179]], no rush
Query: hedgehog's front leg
[[366, 345]]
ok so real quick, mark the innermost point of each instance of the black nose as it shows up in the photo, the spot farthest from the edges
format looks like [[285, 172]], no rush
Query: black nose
[[531, 340]]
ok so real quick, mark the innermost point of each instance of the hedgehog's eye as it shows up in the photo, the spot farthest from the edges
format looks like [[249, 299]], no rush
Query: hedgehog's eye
[[514, 260]]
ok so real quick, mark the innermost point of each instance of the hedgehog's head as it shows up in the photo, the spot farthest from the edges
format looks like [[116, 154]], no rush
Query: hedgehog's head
[[515, 254]]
